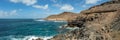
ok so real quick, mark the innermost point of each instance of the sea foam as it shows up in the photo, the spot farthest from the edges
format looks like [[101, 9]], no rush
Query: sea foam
[[59, 21], [31, 38], [28, 37], [40, 20]]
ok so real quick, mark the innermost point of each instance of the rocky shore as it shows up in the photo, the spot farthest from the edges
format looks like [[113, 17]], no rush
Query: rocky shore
[[101, 22]]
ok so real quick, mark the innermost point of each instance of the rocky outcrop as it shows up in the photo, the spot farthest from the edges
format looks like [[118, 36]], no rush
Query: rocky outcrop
[[105, 7], [101, 22], [62, 17]]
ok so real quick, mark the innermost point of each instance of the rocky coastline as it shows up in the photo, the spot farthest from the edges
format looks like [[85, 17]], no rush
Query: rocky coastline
[[101, 22]]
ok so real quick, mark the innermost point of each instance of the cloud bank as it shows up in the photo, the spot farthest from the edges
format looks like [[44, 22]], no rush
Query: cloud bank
[[39, 7], [91, 1], [67, 7], [8, 13], [30, 3]]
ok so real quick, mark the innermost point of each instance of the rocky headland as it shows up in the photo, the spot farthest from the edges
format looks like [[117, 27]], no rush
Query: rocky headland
[[62, 16], [101, 22]]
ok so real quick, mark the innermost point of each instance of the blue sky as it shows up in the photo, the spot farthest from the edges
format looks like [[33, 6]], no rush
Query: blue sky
[[42, 8]]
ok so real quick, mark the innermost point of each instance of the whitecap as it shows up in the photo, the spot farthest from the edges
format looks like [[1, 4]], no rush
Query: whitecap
[[64, 26], [31, 38], [45, 38], [39, 20], [59, 21], [11, 37], [72, 28]]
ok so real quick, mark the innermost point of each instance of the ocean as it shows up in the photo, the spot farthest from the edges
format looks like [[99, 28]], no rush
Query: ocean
[[28, 29]]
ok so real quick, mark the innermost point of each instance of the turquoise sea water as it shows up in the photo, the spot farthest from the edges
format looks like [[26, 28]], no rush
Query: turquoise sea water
[[26, 29]]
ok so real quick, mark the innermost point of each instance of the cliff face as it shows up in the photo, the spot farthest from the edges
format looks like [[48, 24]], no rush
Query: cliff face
[[101, 22], [62, 17]]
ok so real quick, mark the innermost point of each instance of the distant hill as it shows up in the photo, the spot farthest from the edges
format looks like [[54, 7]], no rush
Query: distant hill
[[62, 16]]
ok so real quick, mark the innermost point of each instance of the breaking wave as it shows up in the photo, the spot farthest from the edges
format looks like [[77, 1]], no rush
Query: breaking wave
[[24, 37], [40, 20]]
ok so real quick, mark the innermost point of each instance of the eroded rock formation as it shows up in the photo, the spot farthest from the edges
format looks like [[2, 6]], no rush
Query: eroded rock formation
[[101, 22]]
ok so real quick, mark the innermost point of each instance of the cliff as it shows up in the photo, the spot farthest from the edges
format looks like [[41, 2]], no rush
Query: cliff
[[101, 22], [62, 16]]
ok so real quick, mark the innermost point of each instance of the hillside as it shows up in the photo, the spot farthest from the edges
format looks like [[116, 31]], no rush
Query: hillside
[[62, 16], [101, 22]]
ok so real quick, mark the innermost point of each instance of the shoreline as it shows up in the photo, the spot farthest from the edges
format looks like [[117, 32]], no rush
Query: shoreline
[[97, 23]]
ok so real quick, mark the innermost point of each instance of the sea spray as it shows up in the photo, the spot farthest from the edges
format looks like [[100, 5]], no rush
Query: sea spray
[[33, 37]]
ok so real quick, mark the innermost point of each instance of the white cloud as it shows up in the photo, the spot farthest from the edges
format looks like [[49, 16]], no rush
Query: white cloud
[[30, 3], [41, 7], [8, 13], [67, 7], [15, 1], [26, 2], [91, 1], [13, 12]]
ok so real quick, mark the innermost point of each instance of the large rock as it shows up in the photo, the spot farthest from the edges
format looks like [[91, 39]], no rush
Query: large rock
[[65, 16], [97, 23]]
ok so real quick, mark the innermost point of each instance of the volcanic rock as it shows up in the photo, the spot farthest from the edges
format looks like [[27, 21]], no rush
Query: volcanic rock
[[101, 22]]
